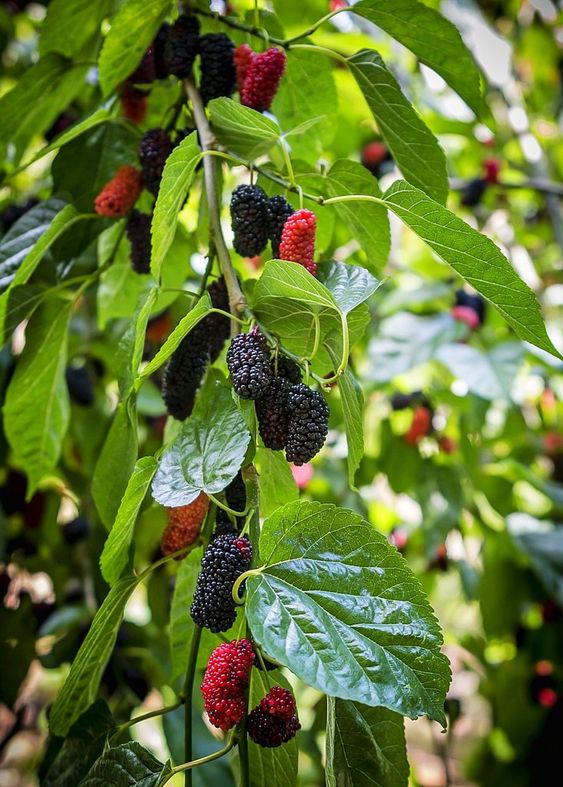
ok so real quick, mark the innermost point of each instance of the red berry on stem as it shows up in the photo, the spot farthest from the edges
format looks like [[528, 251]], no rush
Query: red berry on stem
[[298, 239], [184, 524], [119, 195], [242, 57], [262, 79], [225, 680], [134, 104], [420, 427], [491, 168], [467, 315]]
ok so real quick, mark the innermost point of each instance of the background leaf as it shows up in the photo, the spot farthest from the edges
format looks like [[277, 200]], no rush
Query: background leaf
[[69, 25], [488, 374], [275, 480], [181, 622]]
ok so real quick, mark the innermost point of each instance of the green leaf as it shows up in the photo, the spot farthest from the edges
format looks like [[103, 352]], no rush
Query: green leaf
[[543, 544], [414, 147], [432, 38], [84, 744], [128, 765], [368, 224], [116, 462], [282, 279], [69, 25], [115, 554], [241, 129], [475, 257], [275, 481], [34, 432], [119, 286], [338, 605], [365, 746], [21, 303], [353, 409], [349, 285], [80, 688], [275, 767], [131, 345], [173, 341], [307, 91], [176, 180], [132, 30], [95, 119], [489, 374], [181, 623], [208, 451]]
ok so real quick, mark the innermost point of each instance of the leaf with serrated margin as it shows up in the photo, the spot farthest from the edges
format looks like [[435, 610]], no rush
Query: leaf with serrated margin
[[353, 410], [414, 147], [34, 432], [241, 129], [282, 279], [339, 606], [132, 30], [114, 557], [68, 26], [433, 39], [81, 686], [128, 765], [366, 747], [176, 180], [473, 256], [349, 285]]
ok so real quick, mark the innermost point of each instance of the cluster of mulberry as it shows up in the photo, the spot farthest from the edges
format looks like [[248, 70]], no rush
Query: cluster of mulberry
[[139, 236], [226, 678], [218, 75], [275, 721], [119, 195], [298, 239], [278, 212], [185, 369], [249, 220], [184, 525], [249, 365], [225, 559], [258, 76], [154, 149]]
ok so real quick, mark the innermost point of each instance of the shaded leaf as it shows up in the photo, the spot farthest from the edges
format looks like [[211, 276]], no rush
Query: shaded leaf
[[69, 25], [275, 480], [353, 410], [128, 765], [181, 622]]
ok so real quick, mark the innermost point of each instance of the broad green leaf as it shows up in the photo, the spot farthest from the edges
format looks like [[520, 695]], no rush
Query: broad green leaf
[[116, 462], [84, 744], [95, 119], [414, 147], [19, 304], [20, 239], [349, 285], [208, 451], [69, 25], [407, 340], [173, 341], [432, 38], [338, 605], [353, 409], [81, 686], [176, 180], [543, 544], [181, 623], [115, 554], [119, 286], [275, 767], [368, 223], [132, 30], [282, 279], [35, 432], [127, 765], [241, 129], [130, 348], [275, 481], [489, 374], [366, 747], [473, 256], [307, 91]]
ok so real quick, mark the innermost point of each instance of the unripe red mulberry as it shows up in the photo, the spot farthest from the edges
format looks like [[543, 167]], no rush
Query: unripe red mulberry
[[139, 236], [154, 149], [307, 424], [242, 57], [279, 702], [218, 76], [491, 168], [184, 524], [278, 211], [270, 730], [134, 104], [182, 46], [420, 427], [262, 79], [225, 681], [298, 239], [119, 195]]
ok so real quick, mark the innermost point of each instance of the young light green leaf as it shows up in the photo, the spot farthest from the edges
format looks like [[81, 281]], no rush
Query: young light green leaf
[[133, 28], [81, 686], [473, 256], [432, 38], [36, 433], [241, 129], [353, 409], [181, 623], [114, 557], [282, 279], [176, 180], [116, 462], [208, 451], [414, 147], [127, 765], [349, 285], [173, 341], [275, 481], [489, 374], [366, 746], [69, 25], [368, 222], [338, 605]]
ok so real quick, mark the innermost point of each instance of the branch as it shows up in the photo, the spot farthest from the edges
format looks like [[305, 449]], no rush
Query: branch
[[207, 140]]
